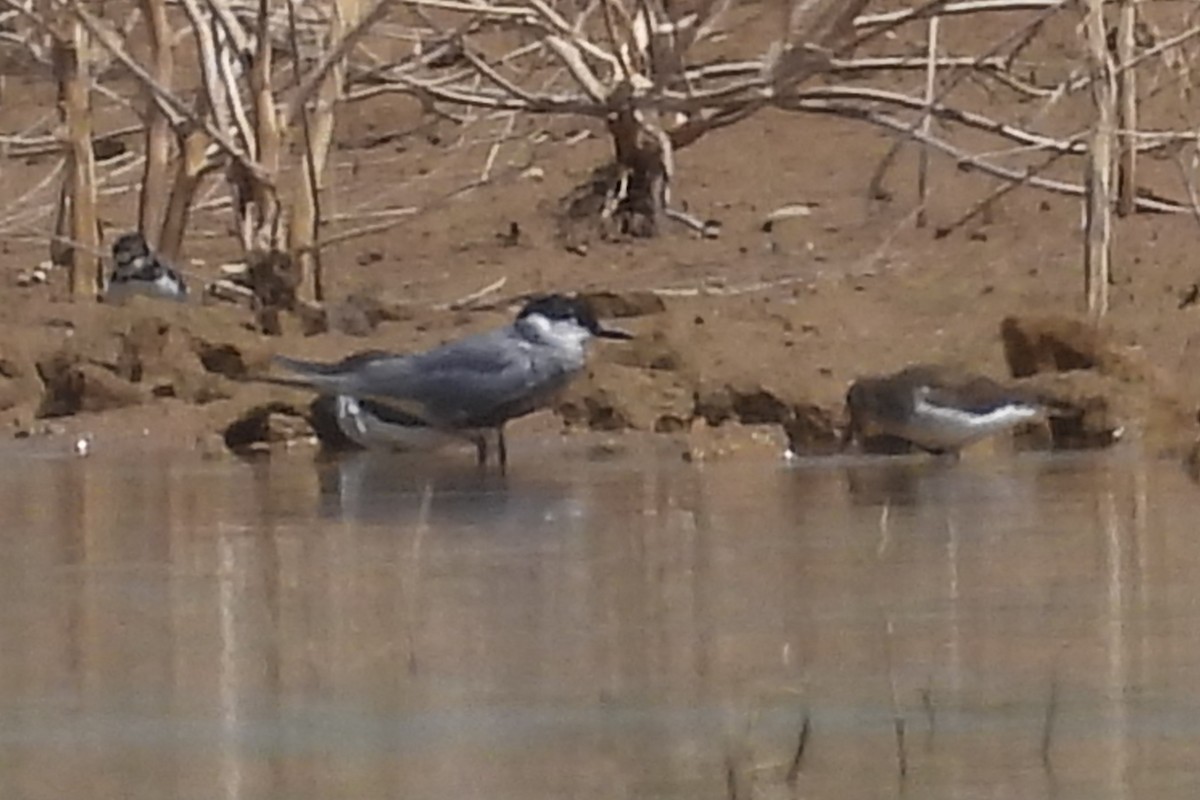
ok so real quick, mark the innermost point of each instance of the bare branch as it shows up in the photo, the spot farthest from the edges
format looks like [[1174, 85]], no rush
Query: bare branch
[[158, 126], [967, 160], [953, 8], [232, 28], [170, 104], [330, 59]]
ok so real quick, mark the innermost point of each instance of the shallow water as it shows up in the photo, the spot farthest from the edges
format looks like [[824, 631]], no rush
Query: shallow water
[[619, 627]]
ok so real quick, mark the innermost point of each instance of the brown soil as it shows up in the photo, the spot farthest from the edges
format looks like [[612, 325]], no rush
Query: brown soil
[[756, 326]]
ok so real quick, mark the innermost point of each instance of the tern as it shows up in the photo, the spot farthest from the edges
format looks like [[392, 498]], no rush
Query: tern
[[465, 388]]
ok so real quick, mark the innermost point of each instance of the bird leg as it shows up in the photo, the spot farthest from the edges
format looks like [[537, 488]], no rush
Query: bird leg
[[502, 446], [481, 450]]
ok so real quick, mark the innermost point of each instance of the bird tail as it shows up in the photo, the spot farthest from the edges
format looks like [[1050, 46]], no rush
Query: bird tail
[[314, 375], [308, 368], [1047, 403], [291, 383]]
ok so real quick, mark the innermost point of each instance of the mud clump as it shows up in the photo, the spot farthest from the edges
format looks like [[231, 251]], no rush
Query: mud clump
[[810, 428], [653, 352], [221, 359], [171, 363], [622, 305], [72, 386], [667, 380], [96, 358], [1034, 345], [1090, 410], [1101, 389], [613, 397], [1191, 461], [1060, 343], [197, 357], [748, 403], [19, 383], [262, 425], [362, 312]]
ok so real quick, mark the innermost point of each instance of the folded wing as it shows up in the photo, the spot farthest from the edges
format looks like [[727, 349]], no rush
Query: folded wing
[[479, 381]]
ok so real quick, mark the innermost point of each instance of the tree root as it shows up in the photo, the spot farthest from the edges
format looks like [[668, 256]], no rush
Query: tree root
[[619, 202]]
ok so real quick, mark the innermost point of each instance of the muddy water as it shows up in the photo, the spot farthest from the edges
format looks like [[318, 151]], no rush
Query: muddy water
[[597, 628]]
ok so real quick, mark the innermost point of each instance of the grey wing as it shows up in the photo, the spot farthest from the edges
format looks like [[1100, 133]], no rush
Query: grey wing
[[347, 366], [475, 381], [976, 394]]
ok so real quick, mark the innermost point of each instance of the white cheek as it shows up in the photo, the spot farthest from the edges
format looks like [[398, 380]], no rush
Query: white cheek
[[542, 326], [565, 334]]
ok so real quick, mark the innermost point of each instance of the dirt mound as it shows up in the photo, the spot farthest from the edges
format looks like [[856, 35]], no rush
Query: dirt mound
[[701, 368], [672, 379], [1105, 390], [261, 425], [92, 358]]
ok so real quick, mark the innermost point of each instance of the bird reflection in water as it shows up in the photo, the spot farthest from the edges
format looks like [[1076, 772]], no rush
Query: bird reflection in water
[[392, 488]]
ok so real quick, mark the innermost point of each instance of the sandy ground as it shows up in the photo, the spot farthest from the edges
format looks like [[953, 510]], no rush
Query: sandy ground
[[755, 326]]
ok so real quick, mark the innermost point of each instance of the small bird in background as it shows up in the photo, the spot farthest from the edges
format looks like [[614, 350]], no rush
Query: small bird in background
[[938, 409], [462, 389], [138, 271]]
